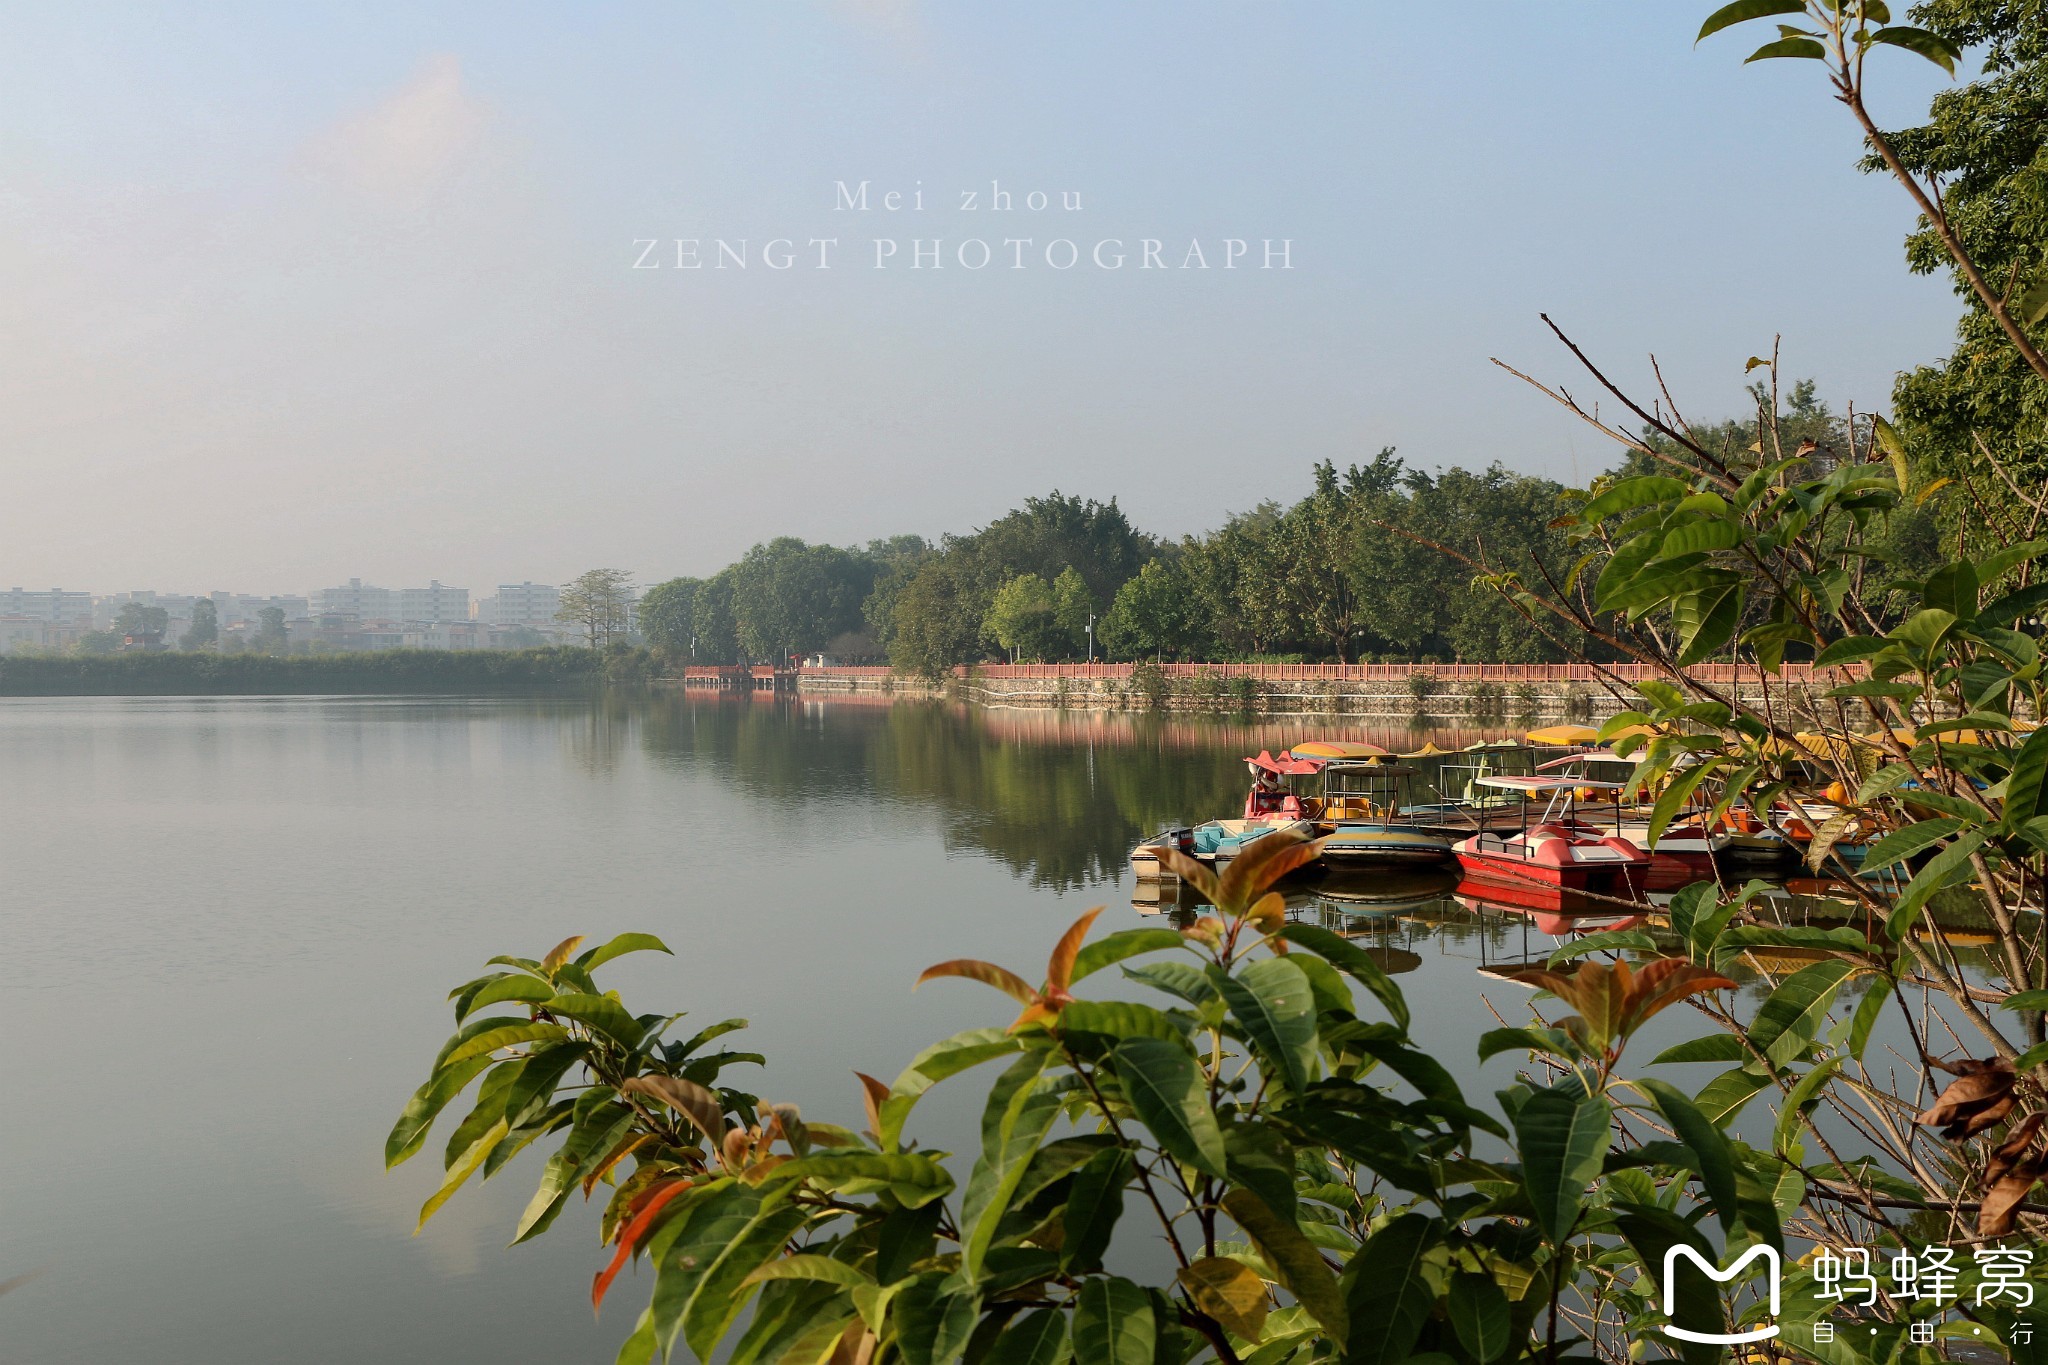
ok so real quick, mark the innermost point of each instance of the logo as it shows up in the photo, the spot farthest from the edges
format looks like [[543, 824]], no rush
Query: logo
[[1769, 1255]]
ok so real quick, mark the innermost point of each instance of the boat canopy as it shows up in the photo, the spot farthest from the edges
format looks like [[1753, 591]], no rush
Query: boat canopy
[[1340, 748], [1563, 734], [1428, 750], [1590, 756], [1517, 783], [1286, 765]]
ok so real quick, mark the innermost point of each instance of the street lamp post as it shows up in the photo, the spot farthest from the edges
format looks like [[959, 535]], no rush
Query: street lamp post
[[1091, 637]]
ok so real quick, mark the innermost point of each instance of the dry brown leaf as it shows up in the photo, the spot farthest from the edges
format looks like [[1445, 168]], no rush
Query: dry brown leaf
[[1980, 1097], [687, 1098], [1230, 1292], [2000, 1209]]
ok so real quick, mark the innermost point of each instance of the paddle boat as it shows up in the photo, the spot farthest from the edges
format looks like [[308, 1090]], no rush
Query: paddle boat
[[1559, 850], [1363, 819], [1692, 839], [1269, 808]]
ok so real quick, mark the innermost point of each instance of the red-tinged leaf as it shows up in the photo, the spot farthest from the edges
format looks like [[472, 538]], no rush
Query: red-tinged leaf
[[687, 1098], [626, 1147], [1269, 915], [738, 1143], [560, 954], [1191, 872], [1059, 970], [1037, 1012], [650, 1206], [1664, 983], [1265, 861], [1004, 980], [872, 1093]]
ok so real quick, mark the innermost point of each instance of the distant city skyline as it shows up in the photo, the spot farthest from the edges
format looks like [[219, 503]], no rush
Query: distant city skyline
[[289, 289]]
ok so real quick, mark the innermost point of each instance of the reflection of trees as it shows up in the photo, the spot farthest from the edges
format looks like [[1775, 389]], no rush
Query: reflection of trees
[[1058, 803]]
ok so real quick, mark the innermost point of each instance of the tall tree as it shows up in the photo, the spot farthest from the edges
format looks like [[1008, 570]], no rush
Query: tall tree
[[790, 598], [599, 603], [1073, 609], [668, 615], [271, 635], [1155, 612], [1024, 618], [135, 618], [205, 627]]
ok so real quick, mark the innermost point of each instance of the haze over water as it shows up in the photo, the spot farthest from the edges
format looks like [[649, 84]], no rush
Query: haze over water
[[231, 925]]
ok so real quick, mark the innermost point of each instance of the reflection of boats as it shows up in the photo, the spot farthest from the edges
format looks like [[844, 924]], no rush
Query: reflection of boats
[[1390, 892], [1214, 843], [1561, 915], [1559, 851]]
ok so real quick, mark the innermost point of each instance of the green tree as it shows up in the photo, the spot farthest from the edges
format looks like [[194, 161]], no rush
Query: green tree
[[789, 598], [711, 617], [271, 635], [136, 619], [1024, 618], [896, 560], [205, 627], [1238, 575], [1154, 613], [938, 619], [668, 615], [598, 603], [1073, 608]]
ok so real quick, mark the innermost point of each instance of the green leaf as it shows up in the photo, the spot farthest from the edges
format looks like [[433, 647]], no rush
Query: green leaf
[[1352, 960], [601, 1014], [1711, 1047], [822, 1269], [1709, 1147], [410, 1132], [460, 1170], [722, 1289], [1094, 1203], [1925, 629], [1478, 1311], [1387, 1296], [1632, 493], [1944, 869], [913, 1178], [510, 986], [1554, 1041], [619, 947], [1171, 1096], [1113, 1323], [1741, 12], [949, 1057], [1021, 1108], [1792, 1110], [1851, 649], [1562, 1137], [1695, 537], [1676, 793], [508, 1034], [1722, 1098], [1272, 1001], [1175, 978], [1293, 1259], [2027, 783], [1037, 1338], [1902, 844], [1125, 943], [1119, 1019], [1788, 47], [1606, 941], [1789, 1020], [1865, 1019], [2025, 1000], [599, 1124], [1932, 46]]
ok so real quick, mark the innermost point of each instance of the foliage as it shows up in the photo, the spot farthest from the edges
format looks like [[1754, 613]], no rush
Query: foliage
[[1023, 618], [1154, 613], [1073, 610], [271, 633], [599, 604], [668, 615], [135, 618], [789, 598], [155, 673], [205, 627], [1321, 1184]]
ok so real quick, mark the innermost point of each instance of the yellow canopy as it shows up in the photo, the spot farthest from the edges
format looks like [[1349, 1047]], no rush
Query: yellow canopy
[[1428, 750], [1340, 748], [1563, 734]]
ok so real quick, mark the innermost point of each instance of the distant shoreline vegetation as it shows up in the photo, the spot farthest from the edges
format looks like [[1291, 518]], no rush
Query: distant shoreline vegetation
[[392, 671]]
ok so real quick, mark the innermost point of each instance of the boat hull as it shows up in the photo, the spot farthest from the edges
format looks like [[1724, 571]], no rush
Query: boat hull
[[1213, 844], [1368, 844], [1556, 860]]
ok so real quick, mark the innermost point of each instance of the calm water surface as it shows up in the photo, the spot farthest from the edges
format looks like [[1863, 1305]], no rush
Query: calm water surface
[[231, 925]]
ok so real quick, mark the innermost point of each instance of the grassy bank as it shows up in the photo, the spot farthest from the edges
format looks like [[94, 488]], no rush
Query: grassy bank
[[388, 671]]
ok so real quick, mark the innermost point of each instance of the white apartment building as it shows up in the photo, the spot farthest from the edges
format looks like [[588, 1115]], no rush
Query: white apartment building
[[356, 599], [28, 633], [237, 608], [433, 604], [522, 604], [55, 605]]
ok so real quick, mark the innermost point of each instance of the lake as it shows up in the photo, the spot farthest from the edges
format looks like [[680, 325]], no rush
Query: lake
[[232, 924]]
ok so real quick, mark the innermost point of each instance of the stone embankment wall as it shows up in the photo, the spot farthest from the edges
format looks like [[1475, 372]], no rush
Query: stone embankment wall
[[1448, 692]]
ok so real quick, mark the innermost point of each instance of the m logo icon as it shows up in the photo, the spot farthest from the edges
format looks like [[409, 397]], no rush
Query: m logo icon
[[1672, 1256]]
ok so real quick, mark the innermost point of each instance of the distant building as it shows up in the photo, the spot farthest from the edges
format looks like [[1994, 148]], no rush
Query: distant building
[[26, 633], [433, 605], [356, 599], [523, 604], [56, 606], [235, 608]]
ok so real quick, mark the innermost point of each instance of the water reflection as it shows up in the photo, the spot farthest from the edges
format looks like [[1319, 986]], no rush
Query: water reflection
[[1058, 797]]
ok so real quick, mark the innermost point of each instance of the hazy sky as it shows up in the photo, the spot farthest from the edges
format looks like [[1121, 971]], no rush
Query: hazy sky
[[294, 292]]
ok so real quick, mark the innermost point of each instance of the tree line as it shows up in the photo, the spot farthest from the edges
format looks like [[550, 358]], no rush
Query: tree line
[[1352, 571]]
